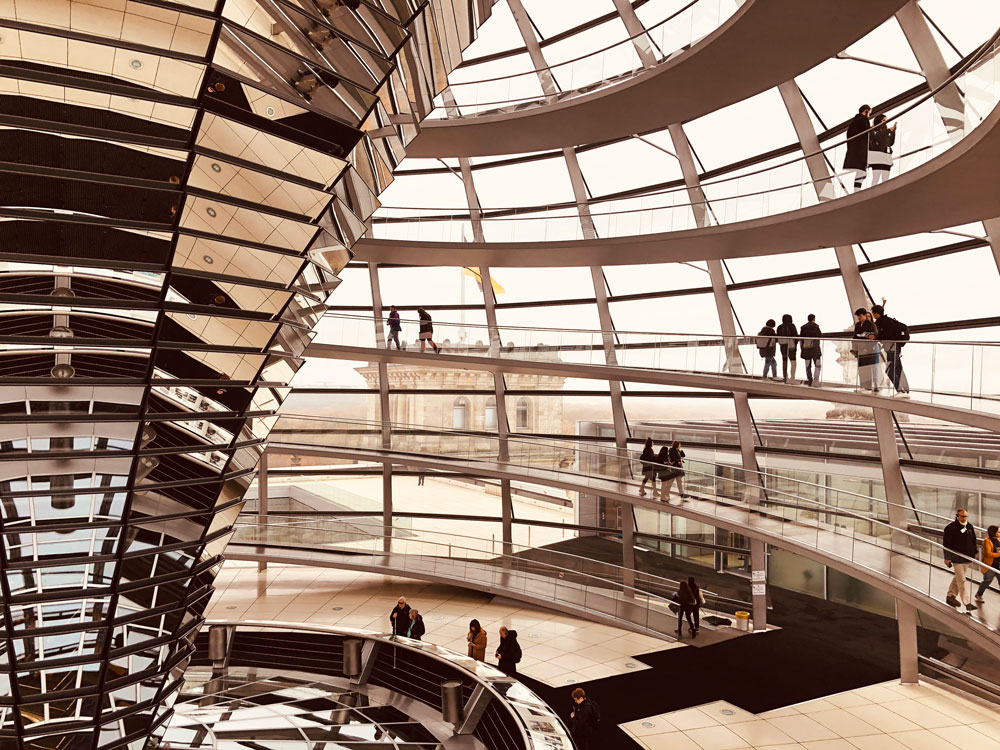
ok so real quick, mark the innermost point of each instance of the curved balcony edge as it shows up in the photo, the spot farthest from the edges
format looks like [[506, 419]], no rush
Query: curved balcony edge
[[783, 37], [733, 383], [976, 631], [945, 191]]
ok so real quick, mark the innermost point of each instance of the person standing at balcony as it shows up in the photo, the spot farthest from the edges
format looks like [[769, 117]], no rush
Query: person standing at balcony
[[866, 350], [880, 142], [892, 335], [687, 602], [426, 330], [812, 351], [416, 629], [788, 343], [477, 641], [766, 346], [399, 618], [508, 652], [959, 546], [857, 146], [991, 560], [395, 326], [646, 461]]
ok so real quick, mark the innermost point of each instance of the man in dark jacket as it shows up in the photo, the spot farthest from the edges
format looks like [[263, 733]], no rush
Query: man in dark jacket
[[399, 618], [959, 545], [508, 652], [857, 145], [891, 334], [395, 326], [812, 351], [583, 720]]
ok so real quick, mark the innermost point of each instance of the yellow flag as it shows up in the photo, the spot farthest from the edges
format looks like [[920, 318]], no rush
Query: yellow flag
[[474, 273]]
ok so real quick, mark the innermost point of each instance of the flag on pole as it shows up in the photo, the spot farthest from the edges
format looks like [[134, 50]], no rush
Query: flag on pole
[[474, 273]]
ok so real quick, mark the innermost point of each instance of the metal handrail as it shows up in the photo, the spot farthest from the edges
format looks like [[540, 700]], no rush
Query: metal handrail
[[964, 67], [705, 339], [629, 456]]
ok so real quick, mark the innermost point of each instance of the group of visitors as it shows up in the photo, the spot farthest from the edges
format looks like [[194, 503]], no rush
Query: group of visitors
[[788, 339], [667, 465], [873, 151], [960, 548], [876, 337], [690, 600], [425, 335], [406, 621], [508, 652]]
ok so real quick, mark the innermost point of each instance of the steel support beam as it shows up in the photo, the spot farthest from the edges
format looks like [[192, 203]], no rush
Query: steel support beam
[[909, 663], [734, 363], [384, 407], [819, 172], [644, 46], [918, 35], [262, 503]]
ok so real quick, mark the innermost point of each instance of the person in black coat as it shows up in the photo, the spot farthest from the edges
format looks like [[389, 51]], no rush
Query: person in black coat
[[416, 630], [880, 142], [812, 351], [664, 471], [959, 545], [769, 349], [426, 333], [891, 334], [857, 146], [508, 652], [788, 343], [399, 618], [583, 720], [646, 460]]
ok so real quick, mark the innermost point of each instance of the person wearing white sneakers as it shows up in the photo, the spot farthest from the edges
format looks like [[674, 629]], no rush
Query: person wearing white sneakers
[[991, 560], [959, 546]]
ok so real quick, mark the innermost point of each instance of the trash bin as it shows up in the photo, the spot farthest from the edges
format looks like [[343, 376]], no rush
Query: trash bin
[[743, 621]]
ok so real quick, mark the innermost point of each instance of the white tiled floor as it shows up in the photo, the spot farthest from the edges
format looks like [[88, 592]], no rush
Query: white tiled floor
[[888, 716], [557, 648]]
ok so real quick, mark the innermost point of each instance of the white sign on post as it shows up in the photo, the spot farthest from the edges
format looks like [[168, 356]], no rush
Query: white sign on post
[[758, 589], [758, 576]]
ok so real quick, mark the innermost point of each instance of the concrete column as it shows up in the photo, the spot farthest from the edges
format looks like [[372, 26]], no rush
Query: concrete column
[[758, 583], [262, 504], [892, 475], [823, 184], [909, 663]]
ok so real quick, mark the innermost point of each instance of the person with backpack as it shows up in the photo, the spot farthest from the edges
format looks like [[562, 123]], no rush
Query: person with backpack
[[416, 630], [426, 330], [812, 351], [584, 719], [664, 471], [508, 652], [991, 560], [395, 326], [892, 335], [646, 459], [866, 350], [787, 343], [766, 346]]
